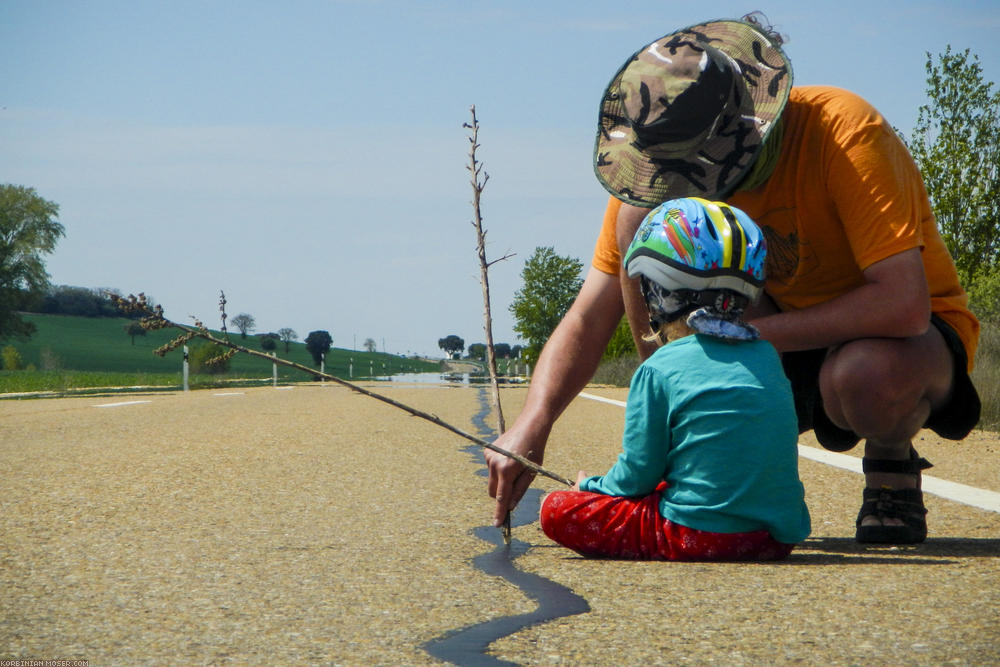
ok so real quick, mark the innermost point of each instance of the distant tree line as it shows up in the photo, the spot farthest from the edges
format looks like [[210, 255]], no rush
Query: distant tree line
[[453, 346], [71, 300], [502, 351]]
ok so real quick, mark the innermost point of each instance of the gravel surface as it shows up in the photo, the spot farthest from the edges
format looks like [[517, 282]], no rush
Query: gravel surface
[[314, 525]]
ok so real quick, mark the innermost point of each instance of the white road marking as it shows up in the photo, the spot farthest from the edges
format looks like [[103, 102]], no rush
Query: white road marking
[[594, 397], [962, 493], [230, 393], [118, 405]]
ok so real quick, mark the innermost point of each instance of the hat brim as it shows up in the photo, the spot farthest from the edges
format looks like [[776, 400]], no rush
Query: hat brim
[[712, 168]]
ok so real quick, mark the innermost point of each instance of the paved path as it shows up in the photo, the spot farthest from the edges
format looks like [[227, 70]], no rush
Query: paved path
[[314, 525]]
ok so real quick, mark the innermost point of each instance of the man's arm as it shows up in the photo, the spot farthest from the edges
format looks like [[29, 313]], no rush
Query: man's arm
[[566, 364], [629, 219], [893, 303]]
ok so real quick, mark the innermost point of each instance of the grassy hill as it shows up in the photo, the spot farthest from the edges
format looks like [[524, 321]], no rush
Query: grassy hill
[[99, 353]]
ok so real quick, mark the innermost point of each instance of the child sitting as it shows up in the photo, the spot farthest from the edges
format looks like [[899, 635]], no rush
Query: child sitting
[[709, 469]]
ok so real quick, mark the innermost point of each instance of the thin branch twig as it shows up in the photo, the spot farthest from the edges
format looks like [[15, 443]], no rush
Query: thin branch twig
[[478, 184], [153, 318], [479, 179]]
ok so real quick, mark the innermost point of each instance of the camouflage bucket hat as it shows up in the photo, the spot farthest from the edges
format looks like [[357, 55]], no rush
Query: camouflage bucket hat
[[687, 114]]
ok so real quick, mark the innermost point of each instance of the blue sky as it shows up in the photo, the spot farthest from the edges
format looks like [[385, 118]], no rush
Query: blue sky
[[308, 157]]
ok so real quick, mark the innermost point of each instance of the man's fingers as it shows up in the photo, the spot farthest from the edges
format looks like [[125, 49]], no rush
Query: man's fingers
[[501, 510], [508, 500], [494, 477]]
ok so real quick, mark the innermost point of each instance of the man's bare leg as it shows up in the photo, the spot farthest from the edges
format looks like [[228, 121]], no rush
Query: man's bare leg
[[884, 389]]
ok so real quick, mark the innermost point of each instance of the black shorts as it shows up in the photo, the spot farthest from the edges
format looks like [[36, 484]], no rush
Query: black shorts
[[953, 420]]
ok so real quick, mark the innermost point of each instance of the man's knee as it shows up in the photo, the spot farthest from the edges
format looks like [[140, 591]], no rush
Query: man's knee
[[877, 386]]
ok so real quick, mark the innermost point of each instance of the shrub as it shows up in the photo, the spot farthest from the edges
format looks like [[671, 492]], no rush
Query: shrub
[[984, 294], [986, 376], [621, 343], [11, 359], [617, 372], [49, 360], [201, 356]]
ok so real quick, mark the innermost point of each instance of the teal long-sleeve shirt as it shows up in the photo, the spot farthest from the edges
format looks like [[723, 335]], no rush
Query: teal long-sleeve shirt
[[716, 421]]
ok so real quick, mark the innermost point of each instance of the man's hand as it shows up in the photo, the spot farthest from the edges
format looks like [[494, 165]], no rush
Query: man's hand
[[564, 367], [509, 479]]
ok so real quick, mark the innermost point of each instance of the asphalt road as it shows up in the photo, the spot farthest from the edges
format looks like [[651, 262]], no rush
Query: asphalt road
[[314, 525]]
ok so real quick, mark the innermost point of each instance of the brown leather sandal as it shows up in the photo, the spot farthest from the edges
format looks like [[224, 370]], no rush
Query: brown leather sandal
[[907, 505]]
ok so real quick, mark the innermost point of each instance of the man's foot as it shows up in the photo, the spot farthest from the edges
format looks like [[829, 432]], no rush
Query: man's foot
[[889, 514]]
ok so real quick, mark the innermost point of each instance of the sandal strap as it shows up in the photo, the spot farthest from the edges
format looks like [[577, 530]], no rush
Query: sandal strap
[[904, 504], [913, 465]]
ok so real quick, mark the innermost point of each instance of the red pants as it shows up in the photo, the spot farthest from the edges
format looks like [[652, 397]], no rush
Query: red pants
[[593, 524]]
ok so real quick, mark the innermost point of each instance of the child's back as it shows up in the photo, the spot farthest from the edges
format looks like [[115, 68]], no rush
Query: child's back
[[716, 418]]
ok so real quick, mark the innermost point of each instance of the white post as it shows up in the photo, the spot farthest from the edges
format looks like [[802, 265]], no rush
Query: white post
[[274, 369], [322, 366], [350, 369], [185, 373]]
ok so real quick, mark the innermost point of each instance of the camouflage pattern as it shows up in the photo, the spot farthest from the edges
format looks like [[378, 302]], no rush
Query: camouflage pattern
[[687, 114]]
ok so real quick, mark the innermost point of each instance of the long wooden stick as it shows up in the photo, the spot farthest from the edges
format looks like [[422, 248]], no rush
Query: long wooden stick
[[154, 319]]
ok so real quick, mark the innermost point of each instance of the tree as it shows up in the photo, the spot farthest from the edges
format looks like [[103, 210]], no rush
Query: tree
[[318, 343], [502, 350], [245, 323], [269, 341], [551, 283], [956, 145], [451, 345], [287, 336], [477, 351], [133, 329], [369, 344], [28, 230]]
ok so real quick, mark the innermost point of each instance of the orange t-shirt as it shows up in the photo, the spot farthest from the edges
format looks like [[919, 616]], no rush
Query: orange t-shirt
[[844, 195]]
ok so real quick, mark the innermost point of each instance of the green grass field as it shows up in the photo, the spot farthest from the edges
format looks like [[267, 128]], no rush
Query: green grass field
[[70, 352]]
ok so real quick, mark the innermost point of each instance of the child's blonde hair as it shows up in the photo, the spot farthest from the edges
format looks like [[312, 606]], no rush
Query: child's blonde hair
[[666, 333]]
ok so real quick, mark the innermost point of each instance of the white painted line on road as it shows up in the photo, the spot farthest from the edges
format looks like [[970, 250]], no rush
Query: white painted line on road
[[594, 397], [844, 461], [970, 495], [118, 405], [962, 493]]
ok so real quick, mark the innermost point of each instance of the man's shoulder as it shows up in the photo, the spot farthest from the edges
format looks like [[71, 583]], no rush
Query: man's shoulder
[[829, 102]]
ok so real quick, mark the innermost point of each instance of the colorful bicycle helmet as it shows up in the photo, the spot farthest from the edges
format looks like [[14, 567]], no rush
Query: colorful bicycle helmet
[[697, 253]]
